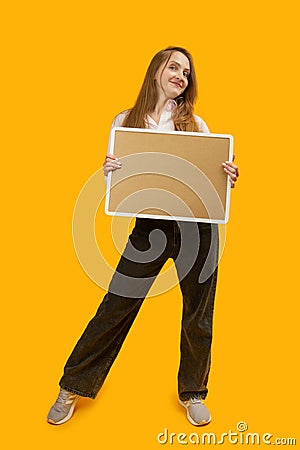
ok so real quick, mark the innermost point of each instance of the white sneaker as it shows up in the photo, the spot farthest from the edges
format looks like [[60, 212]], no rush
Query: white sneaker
[[63, 408], [197, 413]]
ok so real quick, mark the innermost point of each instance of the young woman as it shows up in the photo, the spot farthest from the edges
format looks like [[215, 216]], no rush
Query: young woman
[[166, 101]]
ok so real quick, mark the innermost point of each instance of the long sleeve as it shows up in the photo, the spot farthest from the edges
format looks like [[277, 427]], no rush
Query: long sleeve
[[117, 122], [202, 125]]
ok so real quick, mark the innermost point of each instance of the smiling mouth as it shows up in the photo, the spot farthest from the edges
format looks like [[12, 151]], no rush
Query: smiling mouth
[[176, 84]]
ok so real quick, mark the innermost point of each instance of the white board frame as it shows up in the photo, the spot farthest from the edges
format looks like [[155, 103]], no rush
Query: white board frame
[[166, 217]]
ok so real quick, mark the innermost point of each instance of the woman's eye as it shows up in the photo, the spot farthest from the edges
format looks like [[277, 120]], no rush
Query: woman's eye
[[185, 74], [172, 67]]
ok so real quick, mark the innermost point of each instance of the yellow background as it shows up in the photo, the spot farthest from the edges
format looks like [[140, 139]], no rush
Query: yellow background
[[69, 68]]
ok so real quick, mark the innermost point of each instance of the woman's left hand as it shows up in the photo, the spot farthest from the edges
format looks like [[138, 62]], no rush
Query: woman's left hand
[[232, 170]]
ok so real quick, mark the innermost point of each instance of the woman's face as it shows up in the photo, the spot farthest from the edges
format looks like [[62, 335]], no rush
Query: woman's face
[[172, 80]]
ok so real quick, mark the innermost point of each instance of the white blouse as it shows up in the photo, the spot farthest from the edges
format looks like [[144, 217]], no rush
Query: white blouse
[[165, 121]]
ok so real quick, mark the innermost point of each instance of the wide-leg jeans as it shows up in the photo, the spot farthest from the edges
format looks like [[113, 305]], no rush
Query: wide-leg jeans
[[194, 248]]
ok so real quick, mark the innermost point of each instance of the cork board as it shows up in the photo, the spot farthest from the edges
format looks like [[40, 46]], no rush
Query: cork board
[[169, 175]]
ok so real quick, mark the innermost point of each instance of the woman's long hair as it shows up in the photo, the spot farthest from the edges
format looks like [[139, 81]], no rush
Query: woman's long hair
[[183, 114]]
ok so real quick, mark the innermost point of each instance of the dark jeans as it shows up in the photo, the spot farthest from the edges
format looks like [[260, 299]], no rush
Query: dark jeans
[[194, 249]]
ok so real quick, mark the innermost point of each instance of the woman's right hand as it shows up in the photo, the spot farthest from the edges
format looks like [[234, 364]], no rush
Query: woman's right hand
[[111, 163]]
